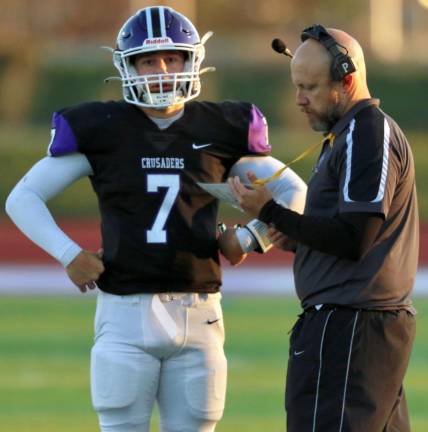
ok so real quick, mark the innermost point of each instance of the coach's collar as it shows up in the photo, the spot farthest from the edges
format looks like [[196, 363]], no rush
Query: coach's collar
[[346, 119]]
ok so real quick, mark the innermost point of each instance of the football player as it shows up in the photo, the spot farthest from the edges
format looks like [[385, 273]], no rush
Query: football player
[[158, 328]]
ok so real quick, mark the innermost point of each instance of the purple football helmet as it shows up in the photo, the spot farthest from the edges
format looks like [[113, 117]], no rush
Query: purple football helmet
[[159, 28]]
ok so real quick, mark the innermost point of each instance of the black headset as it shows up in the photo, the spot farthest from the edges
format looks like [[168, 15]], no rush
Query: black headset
[[342, 64]]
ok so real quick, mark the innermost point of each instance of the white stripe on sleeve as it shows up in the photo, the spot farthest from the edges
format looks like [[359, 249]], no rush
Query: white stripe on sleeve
[[349, 143], [385, 160]]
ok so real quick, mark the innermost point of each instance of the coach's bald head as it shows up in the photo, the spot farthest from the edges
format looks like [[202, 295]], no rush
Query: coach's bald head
[[322, 99]]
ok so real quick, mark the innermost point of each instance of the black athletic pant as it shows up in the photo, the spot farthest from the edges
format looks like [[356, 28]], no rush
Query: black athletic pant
[[346, 369]]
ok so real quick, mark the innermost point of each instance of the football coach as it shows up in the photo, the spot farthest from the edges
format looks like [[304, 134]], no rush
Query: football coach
[[356, 249]]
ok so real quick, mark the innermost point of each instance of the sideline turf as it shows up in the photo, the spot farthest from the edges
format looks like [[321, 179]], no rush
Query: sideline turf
[[44, 359]]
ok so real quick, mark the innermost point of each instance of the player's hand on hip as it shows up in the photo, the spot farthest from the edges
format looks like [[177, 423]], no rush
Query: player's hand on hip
[[85, 270], [251, 200]]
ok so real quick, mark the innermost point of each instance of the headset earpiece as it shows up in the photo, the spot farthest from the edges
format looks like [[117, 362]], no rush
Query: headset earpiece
[[342, 64]]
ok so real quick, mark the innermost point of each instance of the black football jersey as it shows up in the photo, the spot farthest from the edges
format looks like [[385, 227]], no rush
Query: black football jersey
[[158, 226]]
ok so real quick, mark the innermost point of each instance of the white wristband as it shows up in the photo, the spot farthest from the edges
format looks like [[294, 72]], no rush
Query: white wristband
[[246, 240], [260, 232]]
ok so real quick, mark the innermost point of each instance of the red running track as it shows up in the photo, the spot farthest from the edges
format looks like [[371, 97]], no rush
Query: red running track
[[16, 248]]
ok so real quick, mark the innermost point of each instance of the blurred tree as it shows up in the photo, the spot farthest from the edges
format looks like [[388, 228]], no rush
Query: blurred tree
[[36, 35], [261, 14], [28, 27]]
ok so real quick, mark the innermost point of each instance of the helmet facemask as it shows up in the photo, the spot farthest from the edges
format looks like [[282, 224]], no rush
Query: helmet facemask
[[154, 29], [184, 85]]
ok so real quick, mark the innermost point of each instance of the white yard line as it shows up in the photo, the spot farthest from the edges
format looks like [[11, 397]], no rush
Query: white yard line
[[51, 279]]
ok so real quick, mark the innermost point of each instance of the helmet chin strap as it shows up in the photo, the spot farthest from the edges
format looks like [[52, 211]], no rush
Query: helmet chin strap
[[166, 98]]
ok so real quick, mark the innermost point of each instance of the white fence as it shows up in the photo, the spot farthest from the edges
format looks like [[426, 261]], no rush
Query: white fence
[[52, 280]]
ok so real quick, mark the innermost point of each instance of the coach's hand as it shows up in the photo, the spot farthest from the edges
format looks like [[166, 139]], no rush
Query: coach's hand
[[250, 200], [85, 269], [281, 241]]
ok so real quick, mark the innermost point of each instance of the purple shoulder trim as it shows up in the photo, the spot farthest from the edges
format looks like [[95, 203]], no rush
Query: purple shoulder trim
[[258, 140], [63, 140]]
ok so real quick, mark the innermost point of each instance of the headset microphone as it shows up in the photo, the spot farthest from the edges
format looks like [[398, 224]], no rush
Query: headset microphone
[[279, 46]]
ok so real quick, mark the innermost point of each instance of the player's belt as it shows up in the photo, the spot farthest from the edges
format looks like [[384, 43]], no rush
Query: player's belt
[[186, 299]]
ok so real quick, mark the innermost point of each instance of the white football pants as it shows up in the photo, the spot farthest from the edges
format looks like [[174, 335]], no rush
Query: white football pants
[[158, 347]]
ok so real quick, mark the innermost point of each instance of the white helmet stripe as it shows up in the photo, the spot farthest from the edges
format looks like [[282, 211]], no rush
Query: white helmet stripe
[[162, 21], [149, 23]]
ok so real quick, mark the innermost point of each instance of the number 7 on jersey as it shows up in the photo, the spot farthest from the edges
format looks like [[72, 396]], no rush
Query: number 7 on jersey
[[157, 234]]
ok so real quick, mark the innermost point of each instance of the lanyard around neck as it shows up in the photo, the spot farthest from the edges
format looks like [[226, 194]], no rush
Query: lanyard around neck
[[329, 139]]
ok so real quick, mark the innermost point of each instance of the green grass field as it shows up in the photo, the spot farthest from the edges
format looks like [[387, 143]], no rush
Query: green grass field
[[44, 364]]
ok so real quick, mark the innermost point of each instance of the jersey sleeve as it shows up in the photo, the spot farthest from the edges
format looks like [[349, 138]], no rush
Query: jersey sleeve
[[74, 129], [63, 138], [368, 170], [241, 129], [258, 136]]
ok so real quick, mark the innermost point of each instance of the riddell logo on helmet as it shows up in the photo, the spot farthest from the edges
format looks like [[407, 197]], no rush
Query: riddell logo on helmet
[[158, 41]]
